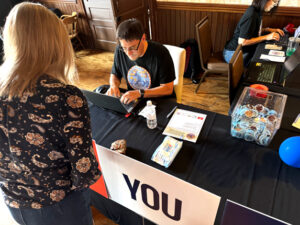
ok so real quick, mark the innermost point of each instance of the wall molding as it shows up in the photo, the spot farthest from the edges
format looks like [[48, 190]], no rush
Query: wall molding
[[210, 7], [62, 1]]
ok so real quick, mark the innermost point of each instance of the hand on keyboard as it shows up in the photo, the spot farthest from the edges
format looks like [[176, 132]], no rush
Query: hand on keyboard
[[130, 96], [113, 91]]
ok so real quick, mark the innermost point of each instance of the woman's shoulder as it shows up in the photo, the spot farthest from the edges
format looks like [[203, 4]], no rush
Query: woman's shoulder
[[51, 86], [250, 14], [251, 11]]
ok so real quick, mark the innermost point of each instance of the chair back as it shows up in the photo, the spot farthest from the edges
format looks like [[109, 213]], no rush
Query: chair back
[[203, 33], [178, 56], [70, 22], [236, 70]]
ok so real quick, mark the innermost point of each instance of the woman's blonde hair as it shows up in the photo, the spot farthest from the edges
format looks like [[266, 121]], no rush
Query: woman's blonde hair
[[35, 43]]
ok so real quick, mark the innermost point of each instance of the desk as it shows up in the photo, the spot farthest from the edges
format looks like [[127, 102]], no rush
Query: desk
[[244, 172]]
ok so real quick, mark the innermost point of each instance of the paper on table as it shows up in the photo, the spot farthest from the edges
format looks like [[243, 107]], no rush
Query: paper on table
[[276, 53], [185, 125], [272, 58], [297, 122]]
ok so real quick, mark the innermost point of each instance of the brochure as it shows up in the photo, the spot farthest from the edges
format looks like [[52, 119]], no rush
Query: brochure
[[185, 125]]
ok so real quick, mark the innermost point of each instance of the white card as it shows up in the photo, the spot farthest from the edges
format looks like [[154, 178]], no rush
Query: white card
[[276, 53]]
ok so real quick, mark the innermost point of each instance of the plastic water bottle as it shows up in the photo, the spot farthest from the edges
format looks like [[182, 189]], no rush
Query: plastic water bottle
[[151, 115]]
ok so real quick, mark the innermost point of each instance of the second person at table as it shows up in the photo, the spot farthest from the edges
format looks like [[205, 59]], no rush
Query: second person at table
[[248, 31]]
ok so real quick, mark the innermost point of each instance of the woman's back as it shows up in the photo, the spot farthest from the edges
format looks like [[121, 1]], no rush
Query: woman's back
[[41, 135]]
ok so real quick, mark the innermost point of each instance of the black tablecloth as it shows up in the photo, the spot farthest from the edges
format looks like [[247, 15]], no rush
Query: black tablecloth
[[231, 168]]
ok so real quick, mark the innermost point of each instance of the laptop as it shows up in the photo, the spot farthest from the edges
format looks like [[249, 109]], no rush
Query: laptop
[[109, 102], [267, 72], [237, 214]]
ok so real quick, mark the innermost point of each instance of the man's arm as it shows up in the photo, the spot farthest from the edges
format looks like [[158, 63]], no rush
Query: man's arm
[[270, 30], [162, 90], [272, 36], [114, 83]]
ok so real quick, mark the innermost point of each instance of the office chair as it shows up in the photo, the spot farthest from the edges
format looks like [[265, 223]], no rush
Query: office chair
[[235, 72], [210, 62], [178, 56], [70, 22]]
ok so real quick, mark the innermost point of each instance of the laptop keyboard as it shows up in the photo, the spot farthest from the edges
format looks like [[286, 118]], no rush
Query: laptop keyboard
[[266, 73], [283, 41]]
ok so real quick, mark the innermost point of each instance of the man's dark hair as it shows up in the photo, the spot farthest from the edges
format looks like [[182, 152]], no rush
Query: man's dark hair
[[131, 29]]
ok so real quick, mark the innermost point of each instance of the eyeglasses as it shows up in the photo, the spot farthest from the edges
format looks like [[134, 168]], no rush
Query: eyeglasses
[[130, 48]]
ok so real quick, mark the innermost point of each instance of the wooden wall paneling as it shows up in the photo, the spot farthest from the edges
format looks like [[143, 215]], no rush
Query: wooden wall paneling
[[177, 27], [167, 30], [192, 33], [173, 26], [179, 20], [187, 26], [183, 26], [69, 6]]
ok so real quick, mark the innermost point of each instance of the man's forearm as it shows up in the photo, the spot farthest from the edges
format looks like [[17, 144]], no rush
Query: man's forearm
[[162, 90]]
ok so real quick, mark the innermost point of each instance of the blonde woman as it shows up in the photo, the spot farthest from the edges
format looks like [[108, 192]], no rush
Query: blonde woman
[[46, 162]]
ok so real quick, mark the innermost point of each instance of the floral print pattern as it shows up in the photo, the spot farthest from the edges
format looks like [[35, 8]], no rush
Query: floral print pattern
[[83, 165], [34, 138], [74, 101], [45, 145], [57, 195]]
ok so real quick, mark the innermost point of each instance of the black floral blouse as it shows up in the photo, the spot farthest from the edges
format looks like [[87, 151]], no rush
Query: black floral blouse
[[45, 145]]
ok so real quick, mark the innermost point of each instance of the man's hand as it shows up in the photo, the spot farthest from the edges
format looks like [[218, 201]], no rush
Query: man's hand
[[113, 91], [130, 96], [273, 36], [279, 31]]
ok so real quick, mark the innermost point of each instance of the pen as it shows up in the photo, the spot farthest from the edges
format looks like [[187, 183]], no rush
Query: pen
[[170, 113]]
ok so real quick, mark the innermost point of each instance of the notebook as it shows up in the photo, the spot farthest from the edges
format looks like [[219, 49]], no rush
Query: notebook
[[109, 102], [267, 72]]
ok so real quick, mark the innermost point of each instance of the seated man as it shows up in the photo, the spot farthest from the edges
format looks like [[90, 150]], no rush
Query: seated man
[[146, 66]]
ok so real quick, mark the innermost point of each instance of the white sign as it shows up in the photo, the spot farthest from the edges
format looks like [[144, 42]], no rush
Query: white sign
[[155, 195], [185, 125]]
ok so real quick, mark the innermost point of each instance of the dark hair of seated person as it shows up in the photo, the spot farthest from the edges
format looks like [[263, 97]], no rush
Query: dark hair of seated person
[[130, 29]]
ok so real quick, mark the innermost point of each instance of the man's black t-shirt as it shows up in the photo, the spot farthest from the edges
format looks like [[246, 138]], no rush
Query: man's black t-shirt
[[155, 67], [247, 28]]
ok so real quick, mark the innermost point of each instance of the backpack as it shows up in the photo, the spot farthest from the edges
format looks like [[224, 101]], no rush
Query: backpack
[[192, 62]]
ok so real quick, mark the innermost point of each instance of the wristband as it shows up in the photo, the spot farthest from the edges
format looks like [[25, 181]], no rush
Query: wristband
[[142, 92]]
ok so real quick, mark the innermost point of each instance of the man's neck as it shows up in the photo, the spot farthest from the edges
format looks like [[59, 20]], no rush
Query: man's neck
[[145, 48]]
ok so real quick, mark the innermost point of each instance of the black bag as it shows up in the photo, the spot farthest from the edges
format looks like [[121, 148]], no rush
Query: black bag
[[192, 62]]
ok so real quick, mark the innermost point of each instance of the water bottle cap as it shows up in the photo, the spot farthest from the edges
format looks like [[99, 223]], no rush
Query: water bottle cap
[[149, 103]]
